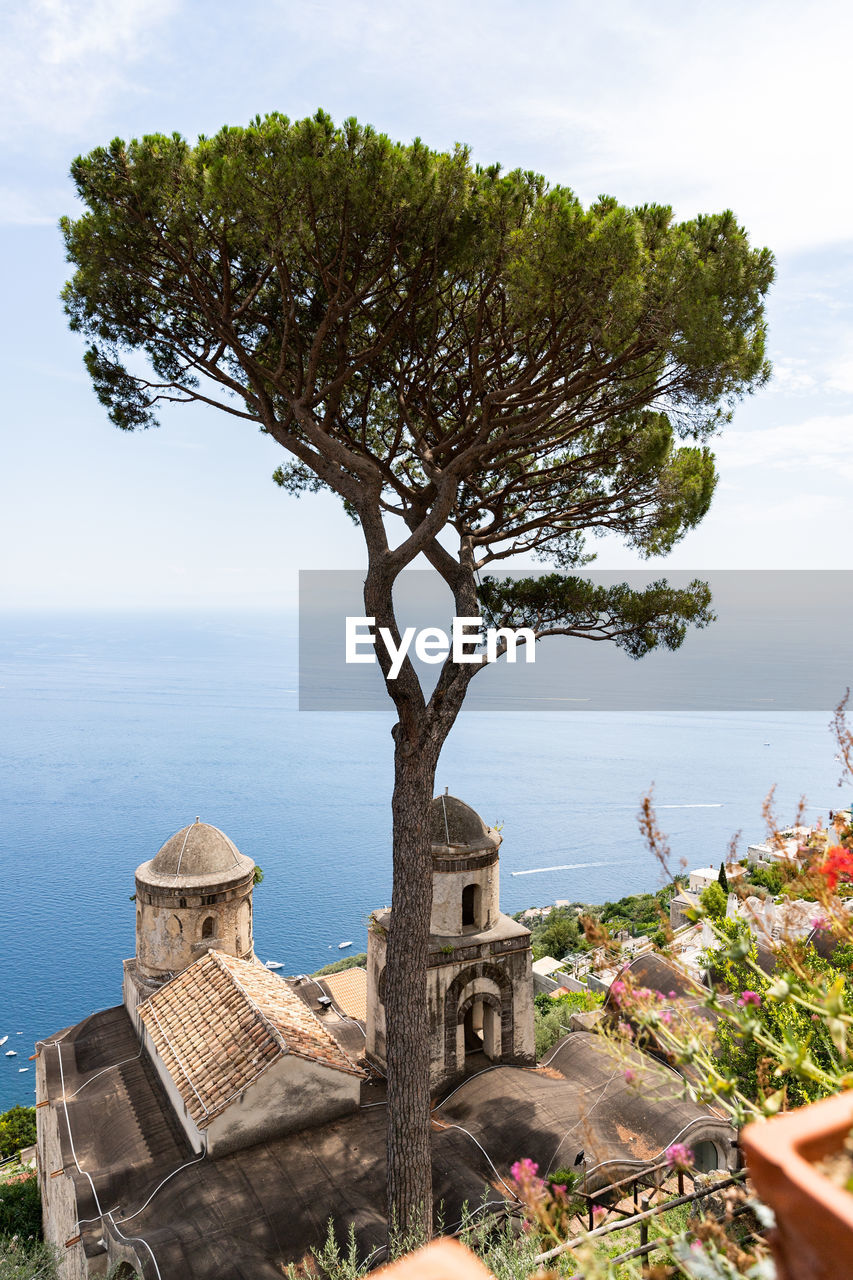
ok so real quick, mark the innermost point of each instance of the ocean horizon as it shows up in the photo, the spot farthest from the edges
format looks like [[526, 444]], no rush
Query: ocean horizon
[[119, 729]]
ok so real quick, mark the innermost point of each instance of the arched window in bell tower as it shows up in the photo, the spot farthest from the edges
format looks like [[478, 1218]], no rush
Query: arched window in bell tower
[[207, 928], [470, 905]]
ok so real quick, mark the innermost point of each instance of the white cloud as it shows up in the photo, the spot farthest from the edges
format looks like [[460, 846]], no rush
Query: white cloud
[[822, 443], [792, 377], [25, 209], [62, 61], [746, 106], [840, 374]]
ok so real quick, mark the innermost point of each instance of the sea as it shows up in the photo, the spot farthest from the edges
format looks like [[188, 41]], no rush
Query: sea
[[116, 730]]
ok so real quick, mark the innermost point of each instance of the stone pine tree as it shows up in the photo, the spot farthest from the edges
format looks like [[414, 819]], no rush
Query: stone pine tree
[[476, 364]]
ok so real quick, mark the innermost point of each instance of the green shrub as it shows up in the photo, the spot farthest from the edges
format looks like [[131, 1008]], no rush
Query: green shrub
[[20, 1208], [557, 934], [713, 901], [770, 878], [25, 1260], [17, 1130], [349, 962], [551, 1017]]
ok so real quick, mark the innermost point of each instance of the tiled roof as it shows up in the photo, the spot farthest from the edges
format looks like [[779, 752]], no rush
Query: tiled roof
[[348, 989], [223, 1022]]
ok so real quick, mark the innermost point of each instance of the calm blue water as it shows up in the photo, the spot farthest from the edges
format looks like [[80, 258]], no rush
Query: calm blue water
[[117, 731]]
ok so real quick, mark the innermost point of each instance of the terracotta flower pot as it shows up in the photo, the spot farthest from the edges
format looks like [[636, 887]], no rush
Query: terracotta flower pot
[[813, 1239], [440, 1260]]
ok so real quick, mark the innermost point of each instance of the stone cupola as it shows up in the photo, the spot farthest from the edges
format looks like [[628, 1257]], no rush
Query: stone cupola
[[465, 875], [479, 981], [194, 896]]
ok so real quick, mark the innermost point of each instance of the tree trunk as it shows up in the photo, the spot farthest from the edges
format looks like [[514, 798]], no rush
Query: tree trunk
[[419, 735], [408, 1047]]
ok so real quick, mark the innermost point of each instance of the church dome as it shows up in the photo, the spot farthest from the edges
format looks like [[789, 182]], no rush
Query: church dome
[[197, 850], [455, 825]]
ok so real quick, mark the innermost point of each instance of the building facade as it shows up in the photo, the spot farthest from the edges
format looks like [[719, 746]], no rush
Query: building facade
[[480, 982], [194, 896]]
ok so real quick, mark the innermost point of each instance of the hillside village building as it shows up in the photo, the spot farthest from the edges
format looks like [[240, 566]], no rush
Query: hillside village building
[[210, 1126]]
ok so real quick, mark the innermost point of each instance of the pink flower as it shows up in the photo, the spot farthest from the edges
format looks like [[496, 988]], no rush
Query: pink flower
[[749, 998], [529, 1188], [679, 1156], [630, 1075], [672, 995], [625, 1029], [598, 1211], [666, 1017], [559, 1188]]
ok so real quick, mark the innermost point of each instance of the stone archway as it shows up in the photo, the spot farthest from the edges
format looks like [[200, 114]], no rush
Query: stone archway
[[490, 1008], [455, 1009]]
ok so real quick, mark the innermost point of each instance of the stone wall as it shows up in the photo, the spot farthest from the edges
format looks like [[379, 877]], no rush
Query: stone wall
[[450, 878], [174, 928], [291, 1095], [58, 1196], [494, 967], [501, 978], [375, 1031]]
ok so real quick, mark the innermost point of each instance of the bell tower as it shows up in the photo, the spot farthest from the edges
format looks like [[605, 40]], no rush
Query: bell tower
[[480, 979], [194, 896]]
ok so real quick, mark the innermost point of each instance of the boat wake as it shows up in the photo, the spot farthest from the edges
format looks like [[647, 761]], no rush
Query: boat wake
[[563, 866]]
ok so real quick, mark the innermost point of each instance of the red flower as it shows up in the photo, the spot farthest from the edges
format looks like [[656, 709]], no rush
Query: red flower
[[838, 863]]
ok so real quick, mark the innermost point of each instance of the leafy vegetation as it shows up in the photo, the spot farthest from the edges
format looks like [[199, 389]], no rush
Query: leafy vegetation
[[20, 1207], [771, 878], [641, 913], [713, 900], [558, 934], [551, 1015], [561, 932], [27, 1260], [348, 962], [806, 1040], [17, 1130]]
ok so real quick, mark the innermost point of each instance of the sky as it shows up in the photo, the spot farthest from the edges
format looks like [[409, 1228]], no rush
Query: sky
[[744, 106]]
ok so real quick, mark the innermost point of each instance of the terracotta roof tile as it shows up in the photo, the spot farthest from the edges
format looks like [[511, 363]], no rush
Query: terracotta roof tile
[[348, 989], [223, 1022]]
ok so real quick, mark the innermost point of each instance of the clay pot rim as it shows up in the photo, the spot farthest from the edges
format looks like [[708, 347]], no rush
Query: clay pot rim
[[781, 1142]]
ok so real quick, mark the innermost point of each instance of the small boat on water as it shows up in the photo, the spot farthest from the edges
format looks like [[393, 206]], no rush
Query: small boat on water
[[273, 964], [3, 1040], [341, 945], [20, 1069], [11, 1053]]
